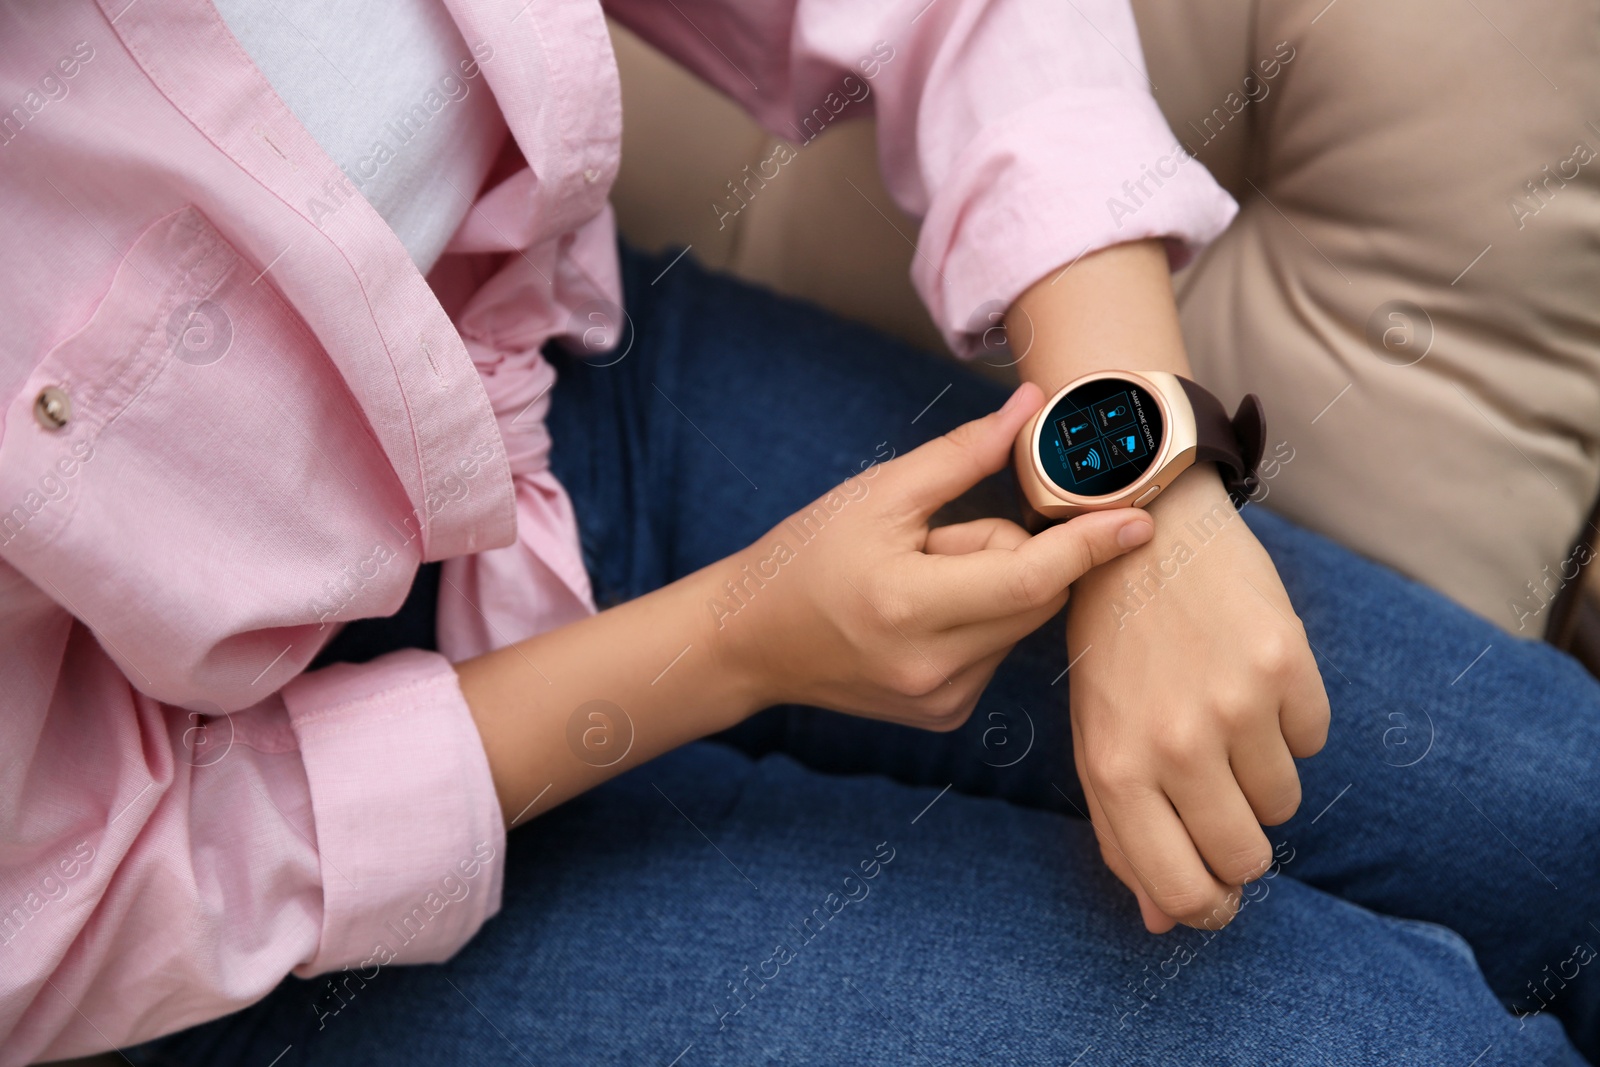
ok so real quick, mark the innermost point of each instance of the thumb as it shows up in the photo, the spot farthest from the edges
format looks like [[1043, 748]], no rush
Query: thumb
[[1069, 550], [944, 468], [1001, 583]]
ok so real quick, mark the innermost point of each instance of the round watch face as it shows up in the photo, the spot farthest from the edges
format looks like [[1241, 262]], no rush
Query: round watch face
[[1101, 437]]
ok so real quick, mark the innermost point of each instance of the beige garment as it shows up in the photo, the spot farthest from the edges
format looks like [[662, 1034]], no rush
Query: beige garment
[[1421, 322]]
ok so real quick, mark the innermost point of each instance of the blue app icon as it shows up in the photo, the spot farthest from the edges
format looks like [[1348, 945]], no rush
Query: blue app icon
[[1076, 429], [1124, 445], [1087, 461], [1114, 412]]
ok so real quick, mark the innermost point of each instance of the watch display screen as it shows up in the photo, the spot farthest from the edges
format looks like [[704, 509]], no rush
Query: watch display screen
[[1101, 437]]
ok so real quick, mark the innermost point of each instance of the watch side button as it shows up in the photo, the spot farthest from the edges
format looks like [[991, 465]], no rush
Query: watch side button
[[1146, 496]]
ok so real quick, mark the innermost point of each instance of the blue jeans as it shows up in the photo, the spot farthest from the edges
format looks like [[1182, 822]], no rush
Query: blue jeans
[[812, 888]]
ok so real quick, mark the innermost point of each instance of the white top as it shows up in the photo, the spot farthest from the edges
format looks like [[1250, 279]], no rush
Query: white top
[[380, 85]]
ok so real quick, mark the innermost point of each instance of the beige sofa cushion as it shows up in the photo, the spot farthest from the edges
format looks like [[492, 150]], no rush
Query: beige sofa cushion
[[1421, 321], [1385, 197]]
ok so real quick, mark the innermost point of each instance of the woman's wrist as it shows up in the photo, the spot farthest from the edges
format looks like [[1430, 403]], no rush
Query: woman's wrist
[[1112, 309], [725, 618], [1195, 492], [1195, 501], [741, 629]]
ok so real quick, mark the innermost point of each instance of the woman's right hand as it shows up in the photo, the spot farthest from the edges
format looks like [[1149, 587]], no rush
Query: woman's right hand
[[853, 603]]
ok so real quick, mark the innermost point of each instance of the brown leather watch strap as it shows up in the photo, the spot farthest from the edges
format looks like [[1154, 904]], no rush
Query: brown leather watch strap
[[1234, 445]]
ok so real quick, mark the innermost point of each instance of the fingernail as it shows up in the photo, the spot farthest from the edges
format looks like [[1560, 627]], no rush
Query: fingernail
[[1135, 532]]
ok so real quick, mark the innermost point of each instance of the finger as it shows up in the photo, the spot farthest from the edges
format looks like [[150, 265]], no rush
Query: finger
[[1163, 855], [1222, 825], [1266, 774], [941, 470], [974, 536], [994, 583], [990, 635], [950, 705], [1304, 715], [1155, 920]]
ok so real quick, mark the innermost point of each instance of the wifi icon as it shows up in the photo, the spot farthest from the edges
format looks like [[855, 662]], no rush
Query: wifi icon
[[1092, 459]]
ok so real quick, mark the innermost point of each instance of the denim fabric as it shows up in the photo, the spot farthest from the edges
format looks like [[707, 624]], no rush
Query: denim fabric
[[817, 889]]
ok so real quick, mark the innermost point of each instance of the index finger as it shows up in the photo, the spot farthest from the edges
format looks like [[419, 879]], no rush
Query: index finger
[[1155, 920], [1164, 856], [935, 473]]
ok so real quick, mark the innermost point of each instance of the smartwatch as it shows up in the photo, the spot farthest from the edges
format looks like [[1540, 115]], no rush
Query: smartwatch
[[1115, 439]]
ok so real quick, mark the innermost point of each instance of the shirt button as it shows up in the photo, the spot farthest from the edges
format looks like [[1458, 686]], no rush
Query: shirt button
[[52, 407]]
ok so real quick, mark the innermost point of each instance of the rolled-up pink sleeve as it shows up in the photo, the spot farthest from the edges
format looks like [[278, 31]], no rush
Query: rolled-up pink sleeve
[[405, 810], [165, 867], [1022, 132]]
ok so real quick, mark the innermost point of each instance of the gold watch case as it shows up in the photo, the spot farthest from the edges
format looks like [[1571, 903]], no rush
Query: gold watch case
[[1175, 455]]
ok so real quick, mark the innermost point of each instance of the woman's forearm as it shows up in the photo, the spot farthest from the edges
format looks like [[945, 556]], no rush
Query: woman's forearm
[[562, 711], [1111, 310]]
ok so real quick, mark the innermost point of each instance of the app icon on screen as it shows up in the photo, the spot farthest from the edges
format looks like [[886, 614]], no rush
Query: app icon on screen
[[1076, 429], [1125, 444], [1087, 461], [1114, 412]]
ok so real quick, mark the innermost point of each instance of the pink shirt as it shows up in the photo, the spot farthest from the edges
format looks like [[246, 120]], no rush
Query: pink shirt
[[235, 415]]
